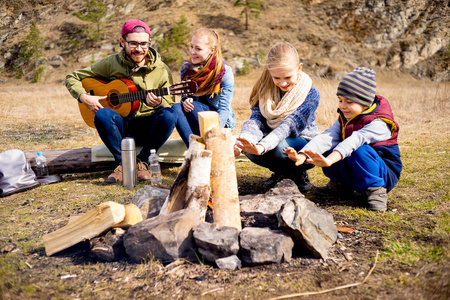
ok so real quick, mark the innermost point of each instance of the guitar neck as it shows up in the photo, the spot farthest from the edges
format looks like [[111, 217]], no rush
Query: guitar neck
[[141, 95]]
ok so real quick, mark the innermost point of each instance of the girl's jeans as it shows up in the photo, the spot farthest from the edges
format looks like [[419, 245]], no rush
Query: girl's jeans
[[277, 161], [187, 123]]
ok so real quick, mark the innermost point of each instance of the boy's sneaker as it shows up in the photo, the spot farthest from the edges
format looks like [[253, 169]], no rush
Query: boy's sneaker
[[301, 179], [273, 180], [142, 171], [115, 176], [334, 188], [377, 198]]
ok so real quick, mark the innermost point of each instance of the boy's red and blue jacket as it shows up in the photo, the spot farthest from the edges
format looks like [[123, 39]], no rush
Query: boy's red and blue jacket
[[388, 149]]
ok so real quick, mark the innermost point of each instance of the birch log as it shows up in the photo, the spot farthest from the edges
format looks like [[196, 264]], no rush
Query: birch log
[[198, 189], [207, 120], [177, 195], [224, 188]]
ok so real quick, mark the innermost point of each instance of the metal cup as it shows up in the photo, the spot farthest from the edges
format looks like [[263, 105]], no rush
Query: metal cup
[[129, 162]]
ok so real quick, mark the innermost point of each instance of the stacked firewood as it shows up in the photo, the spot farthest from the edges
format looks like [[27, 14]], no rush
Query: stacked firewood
[[207, 175]]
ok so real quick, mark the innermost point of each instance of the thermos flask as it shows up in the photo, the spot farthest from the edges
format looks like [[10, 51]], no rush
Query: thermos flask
[[128, 162]]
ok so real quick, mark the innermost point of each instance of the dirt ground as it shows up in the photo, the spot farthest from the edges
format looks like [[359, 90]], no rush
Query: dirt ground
[[401, 254]]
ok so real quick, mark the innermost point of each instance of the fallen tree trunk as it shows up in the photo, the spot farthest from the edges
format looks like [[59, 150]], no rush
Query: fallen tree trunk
[[69, 161]]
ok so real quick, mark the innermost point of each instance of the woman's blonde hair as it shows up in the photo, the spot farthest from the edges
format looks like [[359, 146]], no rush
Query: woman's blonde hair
[[282, 55], [208, 86]]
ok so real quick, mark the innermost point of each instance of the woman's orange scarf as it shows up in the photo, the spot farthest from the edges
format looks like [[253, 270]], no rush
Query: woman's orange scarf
[[208, 79]]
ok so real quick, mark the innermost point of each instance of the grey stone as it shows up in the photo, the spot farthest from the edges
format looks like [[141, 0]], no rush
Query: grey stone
[[309, 226], [3, 38], [150, 199], [108, 47], [94, 57], [270, 202], [56, 61], [263, 246], [164, 237], [214, 241], [230, 262], [259, 210]]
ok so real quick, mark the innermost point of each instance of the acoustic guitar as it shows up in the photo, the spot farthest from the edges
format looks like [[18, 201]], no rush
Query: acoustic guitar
[[123, 96]]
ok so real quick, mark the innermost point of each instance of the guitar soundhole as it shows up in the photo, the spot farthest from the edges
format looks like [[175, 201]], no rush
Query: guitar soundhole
[[114, 99]]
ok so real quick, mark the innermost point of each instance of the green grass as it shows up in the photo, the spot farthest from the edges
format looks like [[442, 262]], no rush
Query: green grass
[[408, 252]]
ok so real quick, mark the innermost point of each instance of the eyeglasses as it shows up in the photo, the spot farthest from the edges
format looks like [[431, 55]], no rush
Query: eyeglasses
[[134, 44]]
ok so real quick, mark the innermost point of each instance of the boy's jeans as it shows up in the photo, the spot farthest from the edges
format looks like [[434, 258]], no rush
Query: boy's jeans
[[363, 169]]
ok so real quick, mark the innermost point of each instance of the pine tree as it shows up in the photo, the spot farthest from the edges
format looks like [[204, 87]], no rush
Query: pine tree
[[31, 48], [172, 42], [95, 13], [30, 52], [251, 7]]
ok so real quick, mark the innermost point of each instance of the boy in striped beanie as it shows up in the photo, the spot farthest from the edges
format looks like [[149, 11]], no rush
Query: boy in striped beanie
[[359, 151]]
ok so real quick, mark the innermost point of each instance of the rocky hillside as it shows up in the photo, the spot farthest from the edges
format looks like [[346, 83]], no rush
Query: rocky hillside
[[332, 37]]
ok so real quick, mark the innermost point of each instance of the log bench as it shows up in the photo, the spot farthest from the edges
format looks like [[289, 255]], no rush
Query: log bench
[[98, 158]]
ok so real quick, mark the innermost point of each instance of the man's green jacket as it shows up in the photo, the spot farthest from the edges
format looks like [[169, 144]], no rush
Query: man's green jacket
[[155, 74]]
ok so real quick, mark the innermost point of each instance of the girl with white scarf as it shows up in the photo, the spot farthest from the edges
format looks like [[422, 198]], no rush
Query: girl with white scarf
[[283, 103]]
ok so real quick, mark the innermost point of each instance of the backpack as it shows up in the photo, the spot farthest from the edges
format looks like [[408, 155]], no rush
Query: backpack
[[16, 174]]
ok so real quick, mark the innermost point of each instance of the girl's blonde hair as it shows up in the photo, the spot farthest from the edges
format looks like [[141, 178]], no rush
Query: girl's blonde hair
[[282, 55], [209, 86]]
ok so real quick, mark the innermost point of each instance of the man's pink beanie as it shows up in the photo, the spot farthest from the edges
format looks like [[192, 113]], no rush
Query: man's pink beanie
[[130, 26]]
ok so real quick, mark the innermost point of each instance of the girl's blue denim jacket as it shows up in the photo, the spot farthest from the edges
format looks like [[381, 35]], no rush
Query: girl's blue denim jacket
[[221, 102]]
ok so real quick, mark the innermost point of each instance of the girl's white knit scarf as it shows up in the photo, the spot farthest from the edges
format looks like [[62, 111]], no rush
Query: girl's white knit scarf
[[275, 113]]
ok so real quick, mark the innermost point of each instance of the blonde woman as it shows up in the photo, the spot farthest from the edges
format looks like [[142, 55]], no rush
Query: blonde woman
[[215, 81], [284, 104]]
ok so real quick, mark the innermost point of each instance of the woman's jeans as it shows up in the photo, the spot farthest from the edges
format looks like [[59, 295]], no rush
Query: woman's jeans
[[277, 161], [150, 132], [187, 123], [363, 169]]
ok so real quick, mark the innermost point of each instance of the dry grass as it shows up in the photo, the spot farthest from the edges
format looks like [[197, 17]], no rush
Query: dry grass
[[412, 236], [415, 102]]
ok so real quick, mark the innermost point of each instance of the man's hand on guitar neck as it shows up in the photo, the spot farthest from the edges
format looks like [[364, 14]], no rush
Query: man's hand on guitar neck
[[153, 100], [92, 102]]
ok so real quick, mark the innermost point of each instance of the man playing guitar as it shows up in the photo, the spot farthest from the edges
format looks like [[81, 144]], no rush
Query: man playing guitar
[[153, 121]]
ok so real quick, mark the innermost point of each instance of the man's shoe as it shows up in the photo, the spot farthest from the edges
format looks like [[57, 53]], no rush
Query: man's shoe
[[273, 180], [142, 171], [334, 188], [377, 198], [301, 179], [115, 176]]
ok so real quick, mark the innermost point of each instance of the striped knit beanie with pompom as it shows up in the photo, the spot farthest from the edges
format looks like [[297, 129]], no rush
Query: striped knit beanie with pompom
[[359, 86]]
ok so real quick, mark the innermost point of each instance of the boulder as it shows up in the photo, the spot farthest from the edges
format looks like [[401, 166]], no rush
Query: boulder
[[263, 246], [272, 200], [150, 199], [230, 263], [309, 226], [258, 210], [164, 237], [214, 241]]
